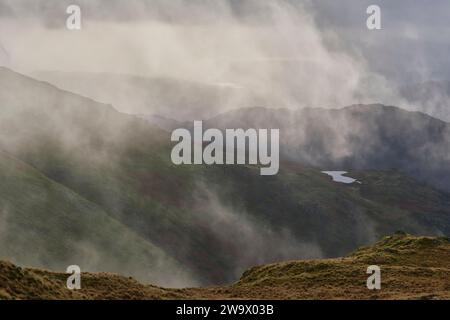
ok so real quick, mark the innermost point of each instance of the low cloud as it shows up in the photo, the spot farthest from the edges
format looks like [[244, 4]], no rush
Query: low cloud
[[245, 239]]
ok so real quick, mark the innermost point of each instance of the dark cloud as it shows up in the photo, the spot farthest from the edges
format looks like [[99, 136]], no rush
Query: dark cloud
[[412, 45]]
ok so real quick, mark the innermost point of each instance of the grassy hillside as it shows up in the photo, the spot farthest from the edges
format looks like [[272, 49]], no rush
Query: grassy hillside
[[45, 224], [358, 137], [214, 221], [411, 268]]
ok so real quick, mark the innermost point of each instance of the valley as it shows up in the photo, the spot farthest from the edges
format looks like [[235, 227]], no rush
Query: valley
[[224, 150], [84, 184]]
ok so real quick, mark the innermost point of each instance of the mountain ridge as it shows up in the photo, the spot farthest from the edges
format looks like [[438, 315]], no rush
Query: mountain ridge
[[411, 267], [213, 221]]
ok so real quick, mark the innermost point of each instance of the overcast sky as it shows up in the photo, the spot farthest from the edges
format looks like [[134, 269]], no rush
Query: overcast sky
[[414, 42], [415, 33], [247, 42]]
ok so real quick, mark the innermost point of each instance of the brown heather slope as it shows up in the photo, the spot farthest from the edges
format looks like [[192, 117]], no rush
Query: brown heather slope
[[411, 268]]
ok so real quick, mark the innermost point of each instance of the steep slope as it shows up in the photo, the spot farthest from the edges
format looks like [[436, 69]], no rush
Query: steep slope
[[411, 268], [218, 220], [45, 224], [54, 131]]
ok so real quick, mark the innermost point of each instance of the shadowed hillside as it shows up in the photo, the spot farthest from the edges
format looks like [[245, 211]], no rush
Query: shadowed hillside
[[103, 181], [358, 137]]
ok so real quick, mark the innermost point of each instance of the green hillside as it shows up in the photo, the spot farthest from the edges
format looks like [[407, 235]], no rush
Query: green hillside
[[45, 224], [105, 179]]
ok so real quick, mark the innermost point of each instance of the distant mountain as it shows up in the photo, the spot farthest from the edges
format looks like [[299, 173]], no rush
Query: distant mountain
[[203, 224], [411, 268], [43, 132], [172, 98], [359, 137]]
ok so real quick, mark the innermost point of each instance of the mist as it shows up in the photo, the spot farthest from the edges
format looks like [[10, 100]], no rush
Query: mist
[[75, 155], [247, 239], [225, 54]]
